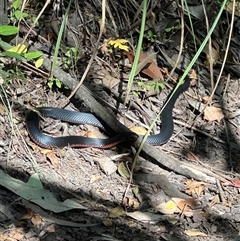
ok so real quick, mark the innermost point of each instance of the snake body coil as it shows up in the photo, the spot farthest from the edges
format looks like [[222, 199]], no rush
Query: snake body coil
[[32, 123]]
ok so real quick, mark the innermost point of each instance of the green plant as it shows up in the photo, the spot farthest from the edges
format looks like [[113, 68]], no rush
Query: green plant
[[55, 81], [176, 26], [138, 50], [16, 74], [153, 85], [19, 52], [70, 57], [16, 12], [150, 36]]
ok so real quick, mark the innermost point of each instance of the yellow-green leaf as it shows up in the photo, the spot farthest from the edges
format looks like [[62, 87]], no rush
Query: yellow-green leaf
[[20, 48], [39, 63]]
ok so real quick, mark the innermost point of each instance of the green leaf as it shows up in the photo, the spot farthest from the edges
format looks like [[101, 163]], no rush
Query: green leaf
[[20, 15], [39, 63], [16, 4], [20, 48], [5, 45], [3, 73], [34, 192], [34, 19], [140, 84], [33, 55], [24, 15], [58, 83], [7, 30], [50, 84], [13, 55]]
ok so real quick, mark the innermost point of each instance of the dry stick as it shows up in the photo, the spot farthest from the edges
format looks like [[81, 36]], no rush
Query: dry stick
[[102, 25], [226, 53], [181, 40], [209, 46]]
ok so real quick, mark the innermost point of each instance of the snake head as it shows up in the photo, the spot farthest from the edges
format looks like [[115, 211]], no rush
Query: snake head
[[129, 136]]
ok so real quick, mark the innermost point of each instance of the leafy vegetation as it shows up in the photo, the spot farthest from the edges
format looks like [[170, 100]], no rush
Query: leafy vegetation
[[16, 14], [19, 52]]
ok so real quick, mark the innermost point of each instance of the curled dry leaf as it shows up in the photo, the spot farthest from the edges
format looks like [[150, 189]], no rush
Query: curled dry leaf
[[212, 113], [206, 99], [27, 215], [147, 65], [212, 56]]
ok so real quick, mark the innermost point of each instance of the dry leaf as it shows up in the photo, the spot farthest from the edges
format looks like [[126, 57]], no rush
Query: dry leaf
[[106, 164], [129, 202], [186, 206], [236, 183], [147, 217], [195, 233], [229, 8], [90, 134], [103, 77], [104, 48], [110, 81], [139, 130], [116, 212], [108, 222], [123, 171], [206, 99], [212, 113], [215, 55], [53, 159], [17, 236], [177, 205], [167, 207], [214, 200], [3, 236], [119, 43], [36, 220], [193, 77], [45, 151], [195, 187], [95, 178], [50, 228], [148, 66], [27, 215]]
